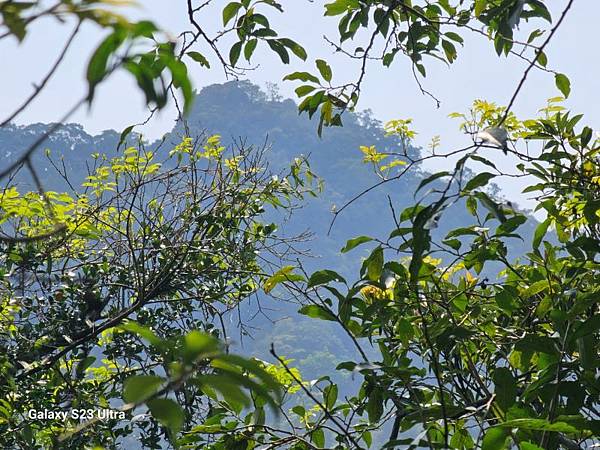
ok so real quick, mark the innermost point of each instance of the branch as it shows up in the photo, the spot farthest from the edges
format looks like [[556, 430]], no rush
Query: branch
[[39, 87], [534, 61], [313, 398]]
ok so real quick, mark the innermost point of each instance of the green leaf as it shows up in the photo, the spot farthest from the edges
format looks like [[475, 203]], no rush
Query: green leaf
[[167, 412], [494, 439], [431, 178], [249, 48], [455, 37], [374, 264], [479, 180], [355, 242], [587, 347], [138, 388], [539, 425], [491, 206], [535, 288], [542, 59], [234, 53], [461, 439], [146, 333], [482, 160], [480, 6], [143, 28], [536, 343], [97, 67], [84, 364], [449, 50], [12, 19], [586, 136], [230, 11], [326, 112], [462, 232], [324, 277], [145, 76], [264, 33], [197, 343], [296, 48], [453, 243], [199, 58], [388, 58], [588, 327], [302, 76], [303, 90], [278, 48], [382, 19], [367, 437], [317, 312], [471, 205], [538, 9], [340, 7], [405, 330], [318, 437], [505, 387], [540, 232], [282, 275], [375, 405], [563, 84], [421, 240], [124, 135], [512, 224], [252, 367], [534, 35], [330, 395], [324, 69], [528, 446], [181, 80], [230, 389], [261, 20], [506, 302], [299, 410]]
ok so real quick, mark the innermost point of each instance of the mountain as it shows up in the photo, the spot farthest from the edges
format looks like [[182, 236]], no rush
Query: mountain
[[69, 144], [241, 112]]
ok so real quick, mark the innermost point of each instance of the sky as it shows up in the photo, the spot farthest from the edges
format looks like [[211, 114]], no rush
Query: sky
[[391, 93]]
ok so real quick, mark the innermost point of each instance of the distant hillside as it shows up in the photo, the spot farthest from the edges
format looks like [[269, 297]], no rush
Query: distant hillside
[[241, 111], [70, 142]]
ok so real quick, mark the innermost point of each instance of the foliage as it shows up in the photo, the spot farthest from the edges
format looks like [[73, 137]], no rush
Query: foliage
[[127, 300], [464, 361], [132, 46], [384, 30]]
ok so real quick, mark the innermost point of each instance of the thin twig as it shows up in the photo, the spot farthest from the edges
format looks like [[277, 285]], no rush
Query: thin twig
[[42, 84], [534, 61]]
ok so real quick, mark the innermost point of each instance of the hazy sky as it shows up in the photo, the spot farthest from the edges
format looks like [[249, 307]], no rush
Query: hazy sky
[[389, 93]]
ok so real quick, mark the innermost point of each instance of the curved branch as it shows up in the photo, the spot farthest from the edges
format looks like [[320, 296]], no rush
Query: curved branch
[[533, 62], [39, 87]]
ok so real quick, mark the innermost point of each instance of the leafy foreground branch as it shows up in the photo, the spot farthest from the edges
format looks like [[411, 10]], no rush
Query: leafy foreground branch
[[459, 345], [125, 306]]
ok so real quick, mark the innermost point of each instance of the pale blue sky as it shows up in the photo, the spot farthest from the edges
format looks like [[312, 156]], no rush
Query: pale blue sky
[[389, 93]]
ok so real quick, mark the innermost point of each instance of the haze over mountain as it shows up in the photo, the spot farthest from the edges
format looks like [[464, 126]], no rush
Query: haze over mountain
[[241, 112]]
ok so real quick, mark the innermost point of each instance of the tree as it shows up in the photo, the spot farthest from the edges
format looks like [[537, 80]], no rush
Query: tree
[[468, 357], [128, 299]]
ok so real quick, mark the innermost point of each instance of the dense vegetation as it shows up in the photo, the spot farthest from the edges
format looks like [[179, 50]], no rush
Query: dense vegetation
[[118, 285]]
